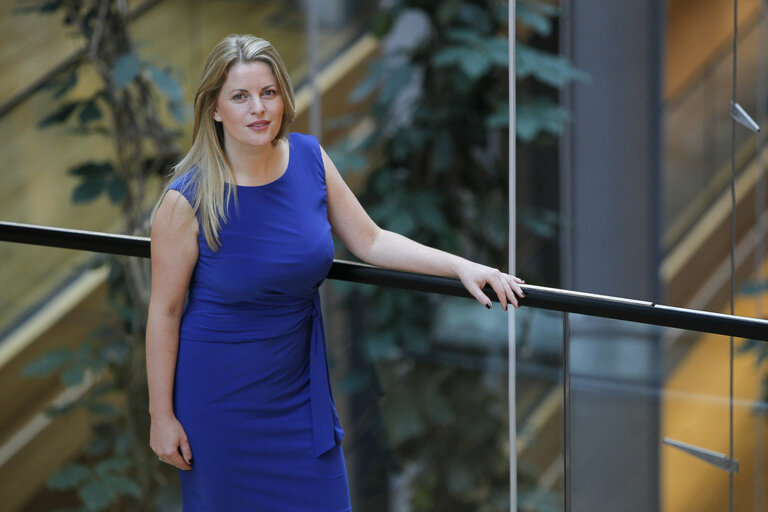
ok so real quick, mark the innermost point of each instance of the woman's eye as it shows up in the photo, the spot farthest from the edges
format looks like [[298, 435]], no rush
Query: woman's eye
[[238, 96], [269, 93]]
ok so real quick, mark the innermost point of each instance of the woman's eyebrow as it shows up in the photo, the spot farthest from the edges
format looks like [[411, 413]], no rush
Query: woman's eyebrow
[[235, 90]]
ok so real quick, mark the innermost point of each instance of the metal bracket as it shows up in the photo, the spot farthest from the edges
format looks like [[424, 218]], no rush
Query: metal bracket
[[740, 116], [719, 460]]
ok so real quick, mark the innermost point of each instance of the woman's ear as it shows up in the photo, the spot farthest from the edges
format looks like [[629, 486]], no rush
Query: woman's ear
[[216, 116]]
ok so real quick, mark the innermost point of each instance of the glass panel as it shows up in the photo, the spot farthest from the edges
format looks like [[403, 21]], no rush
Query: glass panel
[[438, 438], [72, 309], [697, 166], [424, 404], [637, 393], [540, 442]]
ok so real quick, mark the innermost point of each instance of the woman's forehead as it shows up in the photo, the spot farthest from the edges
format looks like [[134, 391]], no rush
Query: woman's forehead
[[246, 75]]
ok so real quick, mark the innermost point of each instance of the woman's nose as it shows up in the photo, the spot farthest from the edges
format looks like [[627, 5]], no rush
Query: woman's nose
[[257, 106]]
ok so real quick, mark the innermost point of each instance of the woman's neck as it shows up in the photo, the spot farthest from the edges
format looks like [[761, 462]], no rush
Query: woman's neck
[[255, 165]]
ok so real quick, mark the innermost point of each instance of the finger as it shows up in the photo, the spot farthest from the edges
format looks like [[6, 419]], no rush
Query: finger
[[515, 283], [175, 459], [511, 298], [499, 289], [186, 451], [478, 294]]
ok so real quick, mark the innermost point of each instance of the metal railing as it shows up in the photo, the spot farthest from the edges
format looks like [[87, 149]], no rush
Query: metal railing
[[553, 299]]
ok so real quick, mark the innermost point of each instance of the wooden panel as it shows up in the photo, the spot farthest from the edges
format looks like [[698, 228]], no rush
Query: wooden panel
[[696, 29]]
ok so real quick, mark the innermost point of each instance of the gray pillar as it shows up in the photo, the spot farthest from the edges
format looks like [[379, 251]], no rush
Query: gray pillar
[[609, 191]]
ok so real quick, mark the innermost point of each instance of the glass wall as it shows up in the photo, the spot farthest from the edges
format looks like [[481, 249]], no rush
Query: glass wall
[[697, 124], [649, 419]]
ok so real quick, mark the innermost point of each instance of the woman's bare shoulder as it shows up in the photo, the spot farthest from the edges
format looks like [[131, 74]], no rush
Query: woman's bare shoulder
[[174, 216]]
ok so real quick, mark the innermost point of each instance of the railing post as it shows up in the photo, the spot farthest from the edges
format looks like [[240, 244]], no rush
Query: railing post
[[512, 249]]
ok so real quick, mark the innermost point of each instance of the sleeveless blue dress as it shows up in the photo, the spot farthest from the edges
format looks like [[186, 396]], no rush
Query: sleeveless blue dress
[[251, 384]]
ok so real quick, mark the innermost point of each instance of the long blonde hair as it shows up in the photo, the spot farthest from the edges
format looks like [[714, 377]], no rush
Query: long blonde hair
[[207, 163]]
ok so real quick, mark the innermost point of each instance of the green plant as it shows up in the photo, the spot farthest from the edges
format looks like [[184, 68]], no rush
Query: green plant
[[117, 470], [438, 174]]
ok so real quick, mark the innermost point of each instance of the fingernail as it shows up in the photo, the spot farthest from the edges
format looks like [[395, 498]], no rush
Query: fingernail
[[488, 305]]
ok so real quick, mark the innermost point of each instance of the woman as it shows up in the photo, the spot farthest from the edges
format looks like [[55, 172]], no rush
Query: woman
[[239, 377]]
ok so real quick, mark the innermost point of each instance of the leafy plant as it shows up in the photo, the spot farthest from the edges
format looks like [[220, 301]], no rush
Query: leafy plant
[[131, 98], [438, 174]]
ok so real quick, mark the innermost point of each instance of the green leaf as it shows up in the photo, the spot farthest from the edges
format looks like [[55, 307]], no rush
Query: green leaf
[[88, 190], [535, 16], [47, 363], [90, 112], [115, 464], [539, 116], [547, 68], [497, 50], [73, 375], [97, 494], [98, 446], [476, 66], [41, 8], [126, 67], [451, 56], [118, 189], [468, 37], [59, 115], [62, 84], [123, 485], [91, 170], [166, 83], [398, 78], [68, 477]]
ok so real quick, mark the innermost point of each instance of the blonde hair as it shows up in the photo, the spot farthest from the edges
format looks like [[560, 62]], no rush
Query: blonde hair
[[207, 163]]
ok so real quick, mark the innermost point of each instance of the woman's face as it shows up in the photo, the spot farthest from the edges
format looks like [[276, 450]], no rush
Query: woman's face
[[249, 106]]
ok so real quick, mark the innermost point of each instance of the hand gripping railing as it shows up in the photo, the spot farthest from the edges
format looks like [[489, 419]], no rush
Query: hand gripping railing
[[535, 296]]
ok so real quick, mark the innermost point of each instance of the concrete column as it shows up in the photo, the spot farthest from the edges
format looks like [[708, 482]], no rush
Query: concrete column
[[610, 157]]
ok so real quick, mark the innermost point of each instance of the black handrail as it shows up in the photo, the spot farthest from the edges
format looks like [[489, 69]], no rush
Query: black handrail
[[554, 299]]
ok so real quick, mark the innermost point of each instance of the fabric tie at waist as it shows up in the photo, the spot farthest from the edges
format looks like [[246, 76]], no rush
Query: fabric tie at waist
[[324, 420]]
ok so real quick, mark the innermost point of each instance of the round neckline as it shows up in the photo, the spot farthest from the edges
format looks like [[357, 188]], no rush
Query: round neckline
[[287, 167]]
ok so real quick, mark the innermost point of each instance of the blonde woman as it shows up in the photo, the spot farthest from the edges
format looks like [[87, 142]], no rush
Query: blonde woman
[[239, 395]]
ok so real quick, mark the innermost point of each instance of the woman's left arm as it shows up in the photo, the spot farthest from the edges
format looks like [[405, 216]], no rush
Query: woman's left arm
[[376, 246]]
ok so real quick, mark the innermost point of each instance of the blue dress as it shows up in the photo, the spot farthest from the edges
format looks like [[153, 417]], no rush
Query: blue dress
[[251, 384]]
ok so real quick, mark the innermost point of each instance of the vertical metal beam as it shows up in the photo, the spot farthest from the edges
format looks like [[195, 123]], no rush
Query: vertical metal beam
[[566, 413], [512, 262], [734, 100]]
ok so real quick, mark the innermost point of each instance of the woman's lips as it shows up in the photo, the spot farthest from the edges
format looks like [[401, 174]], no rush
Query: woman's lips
[[258, 125]]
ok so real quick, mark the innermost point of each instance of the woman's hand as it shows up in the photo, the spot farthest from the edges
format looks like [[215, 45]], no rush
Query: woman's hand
[[475, 276], [166, 436]]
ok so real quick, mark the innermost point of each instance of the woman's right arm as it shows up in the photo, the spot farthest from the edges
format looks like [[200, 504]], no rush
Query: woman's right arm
[[174, 254]]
